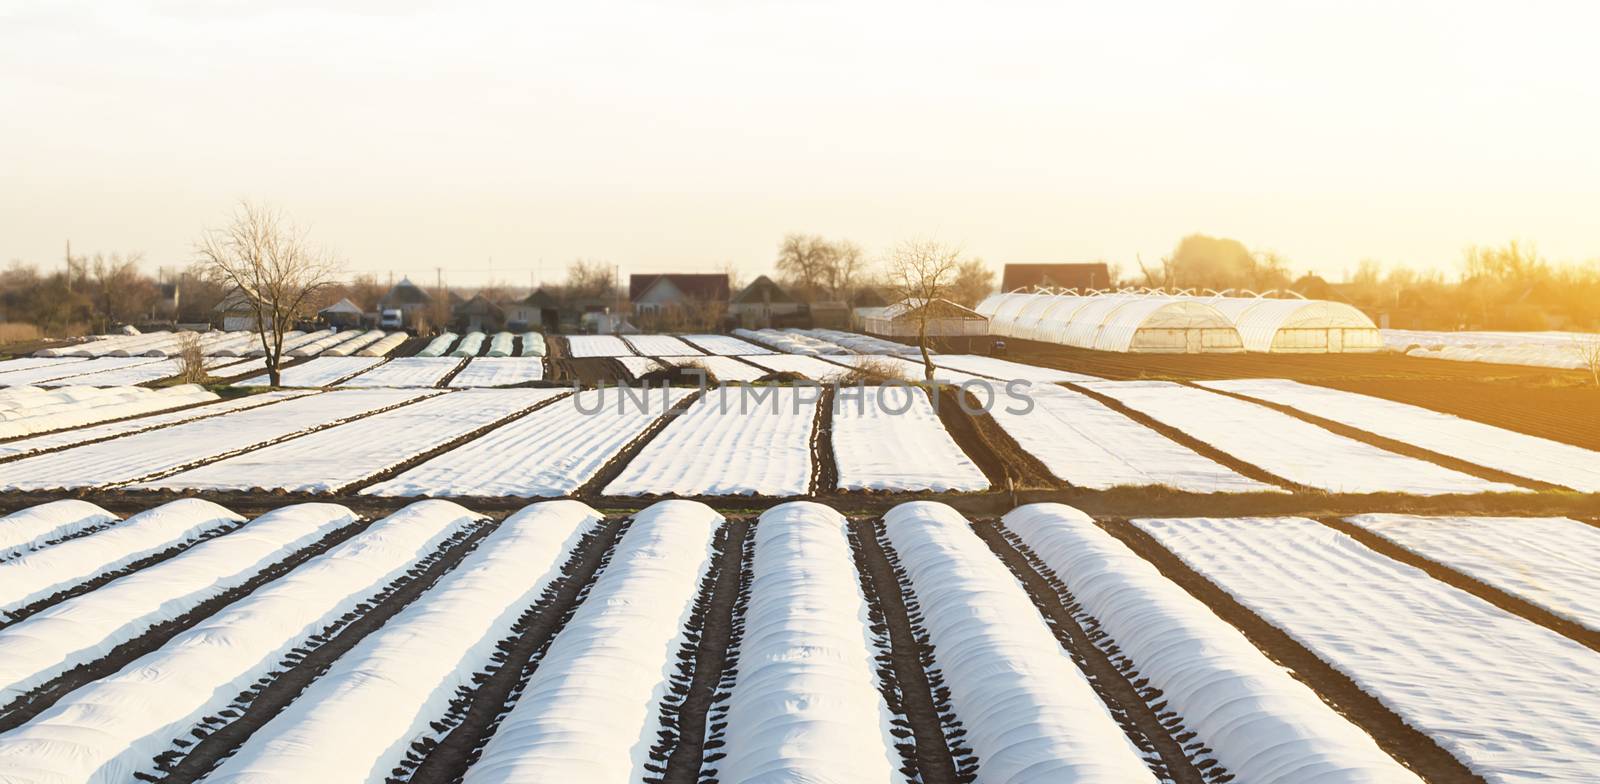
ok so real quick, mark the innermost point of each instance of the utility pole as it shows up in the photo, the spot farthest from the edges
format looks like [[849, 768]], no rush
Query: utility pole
[[69, 266]]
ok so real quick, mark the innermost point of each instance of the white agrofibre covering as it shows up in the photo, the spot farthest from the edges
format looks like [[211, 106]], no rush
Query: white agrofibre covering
[[807, 705], [413, 372], [890, 438], [597, 346], [318, 372], [1005, 369], [1029, 713], [439, 345], [1288, 447], [124, 402], [108, 730], [382, 347], [8, 366], [153, 453], [589, 712], [808, 366], [492, 371], [339, 457], [29, 529], [572, 438], [320, 345], [1549, 561], [1089, 445], [353, 345], [638, 366], [532, 345], [658, 345], [725, 345], [80, 435], [357, 721], [87, 627], [42, 573], [500, 344], [470, 345], [1486, 445], [57, 375], [290, 344], [732, 441], [1500, 693], [1260, 723], [724, 369]]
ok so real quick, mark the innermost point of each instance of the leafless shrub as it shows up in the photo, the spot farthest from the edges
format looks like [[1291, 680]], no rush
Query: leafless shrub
[[869, 371], [191, 359], [1588, 350]]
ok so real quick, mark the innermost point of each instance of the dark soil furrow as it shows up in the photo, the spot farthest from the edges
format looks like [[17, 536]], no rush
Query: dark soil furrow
[[1398, 447], [1438, 571], [1216, 455], [31, 704], [219, 735], [936, 759], [444, 381], [888, 673], [703, 660], [102, 578], [1400, 740], [1008, 466], [824, 463], [475, 720], [613, 467], [715, 720], [1112, 675]]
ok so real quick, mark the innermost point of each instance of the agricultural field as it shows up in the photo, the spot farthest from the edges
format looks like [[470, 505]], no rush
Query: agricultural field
[[393, 570]]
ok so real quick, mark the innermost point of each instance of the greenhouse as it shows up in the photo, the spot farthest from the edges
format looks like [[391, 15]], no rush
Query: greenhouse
[[1181, 323], [1112, 322]]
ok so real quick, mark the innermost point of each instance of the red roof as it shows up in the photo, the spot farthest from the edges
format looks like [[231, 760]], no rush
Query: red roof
[[711, 286], [1093, 275]]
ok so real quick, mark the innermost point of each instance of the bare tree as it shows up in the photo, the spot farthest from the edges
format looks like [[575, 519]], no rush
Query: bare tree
[[973, 281], [191, 359], [272, 266], [119, 290], [920, 272], [1587, 348]]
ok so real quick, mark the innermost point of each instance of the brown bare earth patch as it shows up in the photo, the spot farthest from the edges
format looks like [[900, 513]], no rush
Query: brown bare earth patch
[[1399, 739], [1006, 464]]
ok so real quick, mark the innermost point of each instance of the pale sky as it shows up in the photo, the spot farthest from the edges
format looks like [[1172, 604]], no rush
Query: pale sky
[[681, 136]]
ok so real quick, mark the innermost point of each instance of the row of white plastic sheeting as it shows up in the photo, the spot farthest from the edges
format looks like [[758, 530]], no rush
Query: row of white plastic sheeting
[[439, 345], [1260, 723], [791, 342], [732, 441], [725, 345], [359, 719], [1515, 453], [245, 348], [340, 457], [724, 369], [382, 347], [573, 439], [82, 435], [590, 711], [30, 365], [1028, 712], [890, 438], [40, 416], [808, 366], [532, 345], [1537, 349], [32, 528], [142, 371], [55, 375], [87, 627], [1498, 692], [320, 345], [658, 345], [1548, 561], [113, 728], [1288, 447], [500, 345], [637, 367], [581, 346], [289, 345], [492, 371], [350, 347], [417, 371], [42, 573], [807, 703], [470, 345], [858, 343], [1085, 443], [155, 453], [318, 372]]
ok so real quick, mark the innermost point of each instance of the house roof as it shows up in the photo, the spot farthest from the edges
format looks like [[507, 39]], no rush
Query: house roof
[[404, 293], [344, 305], [233, 302], [1093, 275], [539, 299], [478, 305], [938, 308], [870, 297], [712, 286], [761, 290]]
